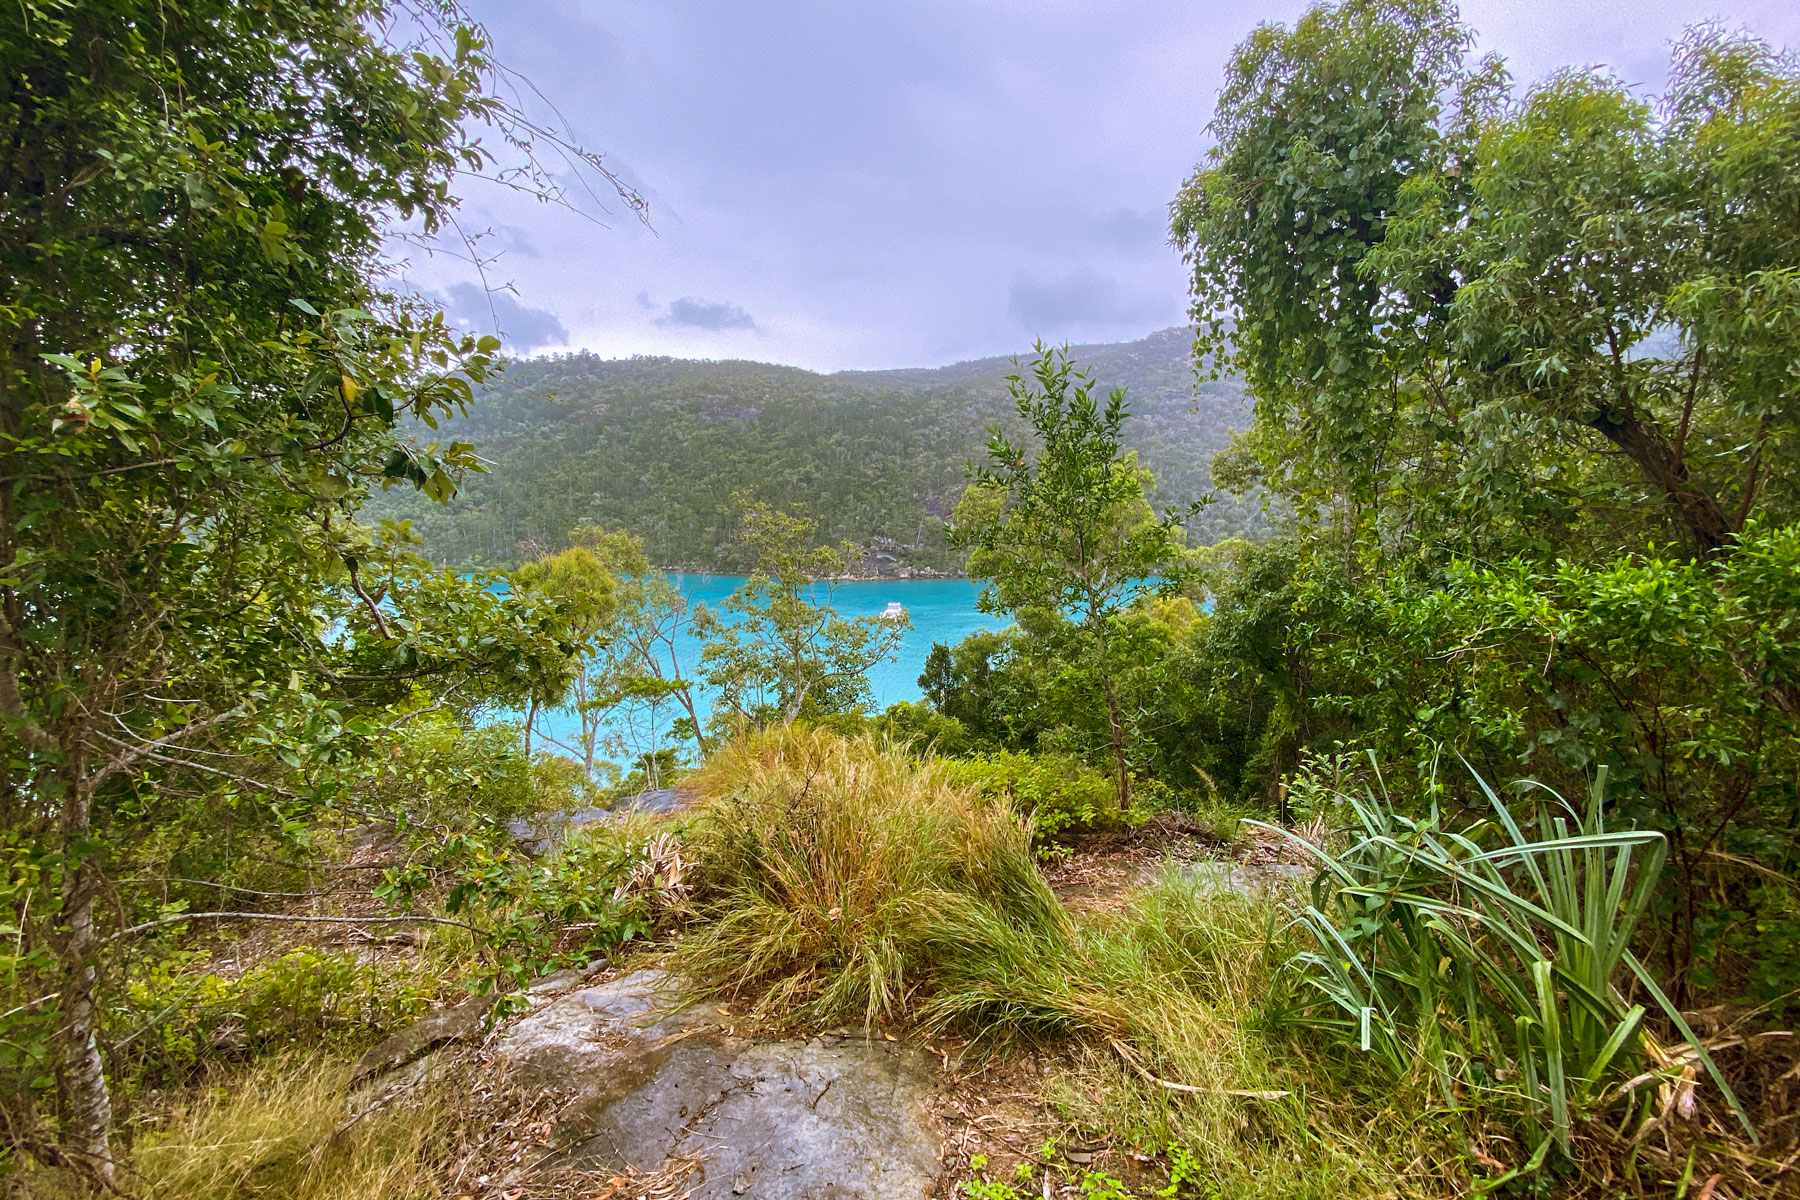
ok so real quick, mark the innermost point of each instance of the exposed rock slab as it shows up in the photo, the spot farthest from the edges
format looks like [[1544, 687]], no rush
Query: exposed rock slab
[[827, 1119], [458, 1023]]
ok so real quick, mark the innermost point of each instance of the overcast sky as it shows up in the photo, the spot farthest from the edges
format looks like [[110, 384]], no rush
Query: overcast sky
[[859, 183]]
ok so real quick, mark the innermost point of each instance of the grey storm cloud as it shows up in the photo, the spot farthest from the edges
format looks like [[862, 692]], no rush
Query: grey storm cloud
[[905, 182], [690, 312], [1083, 299], [523, 329]]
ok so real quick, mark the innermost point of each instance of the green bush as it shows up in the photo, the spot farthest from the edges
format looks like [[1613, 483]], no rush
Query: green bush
[[924, 728], [1061, 794], [184, 1011], [436, 772], [601, 886]]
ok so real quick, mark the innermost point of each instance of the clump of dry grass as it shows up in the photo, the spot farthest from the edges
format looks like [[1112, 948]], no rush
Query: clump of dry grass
[[844, 880], [1203, 1073], [279, 1129], [287, 1129]]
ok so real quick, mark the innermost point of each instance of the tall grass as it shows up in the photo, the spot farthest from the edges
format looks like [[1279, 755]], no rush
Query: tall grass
[[279, 1130], [840, 879], [1260, 1114], [1496, 957]]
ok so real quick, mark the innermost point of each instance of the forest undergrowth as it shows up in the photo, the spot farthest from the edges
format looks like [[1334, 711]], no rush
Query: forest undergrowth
[[1186, 1028]]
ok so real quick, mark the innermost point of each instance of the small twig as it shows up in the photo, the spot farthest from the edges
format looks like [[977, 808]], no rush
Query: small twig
[[29, 1004], [1189, 1088]]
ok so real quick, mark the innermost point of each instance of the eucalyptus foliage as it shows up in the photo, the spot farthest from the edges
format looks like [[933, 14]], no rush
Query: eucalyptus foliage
[[202, 375], [1525, 363]]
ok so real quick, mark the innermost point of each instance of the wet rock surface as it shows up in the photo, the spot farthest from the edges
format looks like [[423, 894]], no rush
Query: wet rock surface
[[668, 1089]]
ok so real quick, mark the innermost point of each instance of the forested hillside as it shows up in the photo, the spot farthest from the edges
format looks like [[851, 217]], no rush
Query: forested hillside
[[658, 446]]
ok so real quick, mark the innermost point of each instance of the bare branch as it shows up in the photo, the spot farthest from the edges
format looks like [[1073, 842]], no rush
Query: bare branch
[[194, 766], [374, 609], [182, 918], [133, 753]]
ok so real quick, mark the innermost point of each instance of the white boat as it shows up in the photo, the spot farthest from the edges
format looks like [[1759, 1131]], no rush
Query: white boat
[[895, 611]]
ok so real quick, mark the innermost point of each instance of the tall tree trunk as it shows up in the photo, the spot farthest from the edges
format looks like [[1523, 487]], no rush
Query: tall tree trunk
[[86, 1102]]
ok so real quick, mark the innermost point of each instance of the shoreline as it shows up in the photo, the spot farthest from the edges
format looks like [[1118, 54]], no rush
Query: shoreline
[[922, 575]]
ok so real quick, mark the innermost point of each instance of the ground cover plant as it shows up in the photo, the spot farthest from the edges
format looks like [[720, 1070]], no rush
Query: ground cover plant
[[1480, 978], [1496, 958], [841, 881]]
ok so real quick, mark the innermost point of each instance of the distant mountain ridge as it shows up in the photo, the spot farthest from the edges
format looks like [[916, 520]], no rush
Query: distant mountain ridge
[[658, 446]]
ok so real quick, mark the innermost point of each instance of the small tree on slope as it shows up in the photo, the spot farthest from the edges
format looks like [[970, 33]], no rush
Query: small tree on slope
[[1065, 525]]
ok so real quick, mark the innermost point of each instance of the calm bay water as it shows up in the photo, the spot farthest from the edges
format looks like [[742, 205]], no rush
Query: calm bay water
[[941, 610]]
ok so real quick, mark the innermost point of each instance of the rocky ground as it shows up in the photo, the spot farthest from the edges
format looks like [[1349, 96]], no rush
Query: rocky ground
[[610, 1087]]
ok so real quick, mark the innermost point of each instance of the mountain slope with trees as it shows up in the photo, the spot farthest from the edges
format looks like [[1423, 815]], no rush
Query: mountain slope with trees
[[659, 446]]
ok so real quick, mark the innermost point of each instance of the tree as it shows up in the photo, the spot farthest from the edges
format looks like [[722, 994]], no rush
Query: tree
[[786, 655], [201, 377], [582, 587], [1524, 379], [1552, 321], [1068, 530], [640, 667]]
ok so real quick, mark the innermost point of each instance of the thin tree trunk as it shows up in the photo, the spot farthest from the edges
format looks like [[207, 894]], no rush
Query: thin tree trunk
[[86, 1102], [1646, 446], [687, 702], [1097, 624], [1118, 738]]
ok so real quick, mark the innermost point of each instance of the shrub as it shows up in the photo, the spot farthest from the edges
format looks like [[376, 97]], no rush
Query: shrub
[[841, 879], [1059, 793], [435, 772], [602, 886], [924, 728], [176, 1015]]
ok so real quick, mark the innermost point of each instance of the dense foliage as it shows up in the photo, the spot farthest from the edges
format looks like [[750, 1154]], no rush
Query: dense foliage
[[1524, 368], [202, 375], [1531, 361]]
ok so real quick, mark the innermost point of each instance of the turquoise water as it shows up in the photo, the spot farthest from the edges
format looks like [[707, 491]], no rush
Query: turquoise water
[[941, 610]]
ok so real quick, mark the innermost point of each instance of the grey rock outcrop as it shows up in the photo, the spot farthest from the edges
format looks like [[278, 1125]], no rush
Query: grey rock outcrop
[[835, 1118]]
